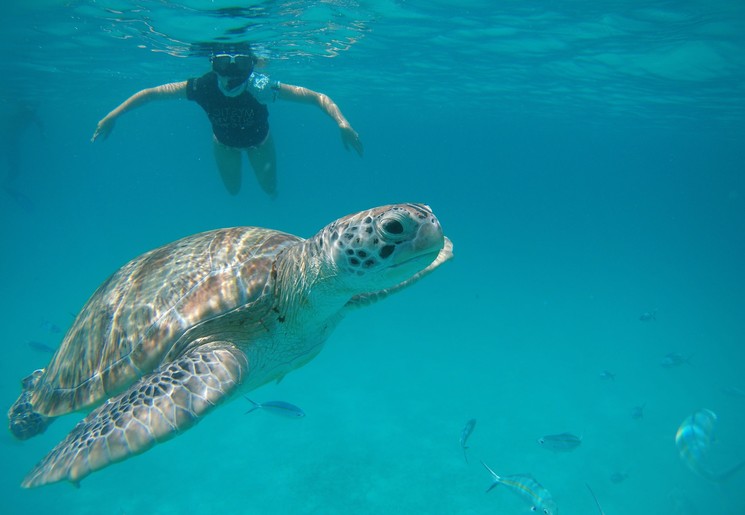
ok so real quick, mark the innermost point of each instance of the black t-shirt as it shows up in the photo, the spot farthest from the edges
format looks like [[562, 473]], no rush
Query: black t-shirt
[[240, 121]]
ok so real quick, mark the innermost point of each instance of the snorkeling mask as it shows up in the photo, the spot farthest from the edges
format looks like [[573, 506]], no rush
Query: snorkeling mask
[[234, 66], [232, 72]]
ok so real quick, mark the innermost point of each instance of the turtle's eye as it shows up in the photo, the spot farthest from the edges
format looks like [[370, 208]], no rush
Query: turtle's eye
[[393, 227]]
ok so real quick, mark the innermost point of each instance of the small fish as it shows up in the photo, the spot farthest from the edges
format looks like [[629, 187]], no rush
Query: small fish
[[618, 477], [675, 359], [281, 408], [694, 438], [596, 499], [734, 391], [528, 488], [50, 326], [607, 375], [637, 412], [465, 434], [562, 442], [40, 346], [648, 316]]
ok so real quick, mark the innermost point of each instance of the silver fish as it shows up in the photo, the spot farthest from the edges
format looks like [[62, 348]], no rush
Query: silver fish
[[694, 438], [41, 346], [675, 359], [607, 375], [734, 391], [528, 488], [50, 326], [648, 316], [619, 477], [562, 442], [465, 434], [281, 408], [637, 412]]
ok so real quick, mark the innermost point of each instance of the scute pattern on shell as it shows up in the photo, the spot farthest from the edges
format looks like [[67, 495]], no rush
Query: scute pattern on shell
[[136, 317]]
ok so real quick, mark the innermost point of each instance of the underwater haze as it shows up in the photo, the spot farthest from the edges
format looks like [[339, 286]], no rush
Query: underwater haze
[[585, 158]]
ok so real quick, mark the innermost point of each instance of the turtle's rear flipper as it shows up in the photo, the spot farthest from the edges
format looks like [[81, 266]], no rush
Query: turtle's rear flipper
[[23, 421], [154, 409]]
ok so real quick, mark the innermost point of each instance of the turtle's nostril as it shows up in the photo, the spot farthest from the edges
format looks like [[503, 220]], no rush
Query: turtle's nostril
[[386, 251]]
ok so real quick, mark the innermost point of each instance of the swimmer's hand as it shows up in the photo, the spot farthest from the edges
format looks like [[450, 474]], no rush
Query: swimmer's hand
[[104, 128], [350, 138]]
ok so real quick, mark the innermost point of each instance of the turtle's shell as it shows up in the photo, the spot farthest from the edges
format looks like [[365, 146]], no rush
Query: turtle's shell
[[154, 306]]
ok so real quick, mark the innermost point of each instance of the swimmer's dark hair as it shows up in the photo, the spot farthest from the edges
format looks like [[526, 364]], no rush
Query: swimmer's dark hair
[[232, 48], [212, 48]]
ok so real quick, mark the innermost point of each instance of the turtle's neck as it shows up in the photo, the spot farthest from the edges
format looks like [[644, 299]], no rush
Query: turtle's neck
[[306, 284]]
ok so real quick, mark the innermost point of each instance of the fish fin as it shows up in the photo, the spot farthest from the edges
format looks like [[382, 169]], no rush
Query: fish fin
[[256, 405], [494, 475]]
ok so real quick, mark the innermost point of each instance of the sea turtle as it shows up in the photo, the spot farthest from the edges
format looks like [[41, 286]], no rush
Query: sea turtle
[[181, 328]]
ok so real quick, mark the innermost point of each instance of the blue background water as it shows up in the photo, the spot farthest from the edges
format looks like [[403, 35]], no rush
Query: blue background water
[[585, 158]]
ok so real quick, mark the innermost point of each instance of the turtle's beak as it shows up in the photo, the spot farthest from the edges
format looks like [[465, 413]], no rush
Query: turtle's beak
[[429, 239]]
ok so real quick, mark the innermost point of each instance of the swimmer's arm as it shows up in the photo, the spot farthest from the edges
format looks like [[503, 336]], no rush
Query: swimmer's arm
[[164, 92], [307, 96]]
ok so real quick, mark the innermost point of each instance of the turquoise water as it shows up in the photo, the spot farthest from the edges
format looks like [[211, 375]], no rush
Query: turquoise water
[[585, 158]]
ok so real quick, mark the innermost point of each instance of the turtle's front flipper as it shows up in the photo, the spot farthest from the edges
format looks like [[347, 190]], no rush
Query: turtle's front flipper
[[154, 409]]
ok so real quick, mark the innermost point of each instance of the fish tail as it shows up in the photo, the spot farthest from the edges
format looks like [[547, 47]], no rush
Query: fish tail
[[494, 475], [464, 453], [256, 405]]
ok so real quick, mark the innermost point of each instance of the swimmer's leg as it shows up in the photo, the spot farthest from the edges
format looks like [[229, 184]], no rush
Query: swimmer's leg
[[263, 160], [228, 161]]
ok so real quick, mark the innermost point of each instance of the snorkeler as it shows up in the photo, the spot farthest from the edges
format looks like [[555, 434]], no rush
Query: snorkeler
[[234, 97]]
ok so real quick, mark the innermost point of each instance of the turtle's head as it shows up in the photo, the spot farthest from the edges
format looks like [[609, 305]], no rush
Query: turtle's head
[[384, 246]]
